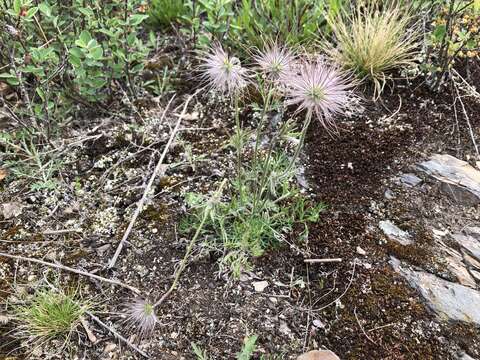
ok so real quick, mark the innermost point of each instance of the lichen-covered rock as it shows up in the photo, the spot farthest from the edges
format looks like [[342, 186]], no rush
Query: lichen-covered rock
[[449, 300], [393, 232], [459, 179]]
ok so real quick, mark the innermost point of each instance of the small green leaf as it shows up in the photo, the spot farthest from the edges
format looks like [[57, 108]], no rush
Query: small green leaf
[[87, 12], [439, 32], [40, 93], [17, 6], [31, 12], [137, 19], [96, 52], [84, 39], [45, 9]]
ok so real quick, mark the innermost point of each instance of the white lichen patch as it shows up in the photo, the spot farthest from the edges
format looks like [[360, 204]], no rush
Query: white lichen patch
[[105, 222]]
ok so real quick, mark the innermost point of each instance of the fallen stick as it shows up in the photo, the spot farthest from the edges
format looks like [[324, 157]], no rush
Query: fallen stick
[[140, 204], [76, 271], [117, 335], [319, 261], [60, 232]]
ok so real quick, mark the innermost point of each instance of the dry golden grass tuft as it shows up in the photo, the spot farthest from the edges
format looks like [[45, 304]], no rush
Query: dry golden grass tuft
[[372, 40]]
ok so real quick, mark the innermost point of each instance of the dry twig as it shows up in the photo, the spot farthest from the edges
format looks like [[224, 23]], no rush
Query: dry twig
[[117, 335], [142, 201], [320, 261], [76, 271]]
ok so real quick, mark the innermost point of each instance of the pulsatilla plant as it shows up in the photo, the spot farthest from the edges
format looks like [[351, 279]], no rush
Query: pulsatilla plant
[[263, 203]]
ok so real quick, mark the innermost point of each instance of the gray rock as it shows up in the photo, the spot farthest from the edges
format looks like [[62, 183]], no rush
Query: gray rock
[[394, 233], [473, 231], [457, 267], [410, 179], [464, 356], [470, 243], [448, 300], [460, 180], [475, 274], [300, 176], [389, 194]]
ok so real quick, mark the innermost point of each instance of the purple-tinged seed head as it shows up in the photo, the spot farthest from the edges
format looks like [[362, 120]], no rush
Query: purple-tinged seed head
[[275, 61], [320, 89], [141, 318], [222, 72]]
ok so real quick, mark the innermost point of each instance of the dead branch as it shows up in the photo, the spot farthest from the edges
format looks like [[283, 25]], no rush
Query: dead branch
[[117, 335], [76, 271], [145, 195]]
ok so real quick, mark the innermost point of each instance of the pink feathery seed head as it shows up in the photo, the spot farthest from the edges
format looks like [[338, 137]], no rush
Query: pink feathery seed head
[[223, 72], [320, 89], [141, 318], [275, 61]]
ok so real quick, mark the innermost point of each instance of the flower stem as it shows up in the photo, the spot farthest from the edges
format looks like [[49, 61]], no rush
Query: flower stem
[[183, 263]]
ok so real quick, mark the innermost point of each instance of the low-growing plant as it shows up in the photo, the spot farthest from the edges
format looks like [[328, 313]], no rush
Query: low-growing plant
[[262, 209], [69, 52], [246, 353], [288, 21], [165, 13], [49, 314], [455, 34], [264, 203], [373, 40], [26, 160], [207, 21]]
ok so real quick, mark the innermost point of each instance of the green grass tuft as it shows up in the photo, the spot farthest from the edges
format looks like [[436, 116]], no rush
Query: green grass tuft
[[49, 314]]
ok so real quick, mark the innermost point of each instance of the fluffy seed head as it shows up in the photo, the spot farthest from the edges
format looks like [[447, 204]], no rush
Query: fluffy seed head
[[223, 72], [319, 89], [141, 318], [275, 61]]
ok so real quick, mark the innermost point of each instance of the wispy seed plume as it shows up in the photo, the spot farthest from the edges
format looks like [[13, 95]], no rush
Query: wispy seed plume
[[141, 318], [223, 72], [275, 62], [320, 89]]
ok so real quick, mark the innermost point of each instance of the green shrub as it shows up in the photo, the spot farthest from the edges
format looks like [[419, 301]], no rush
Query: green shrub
[[287, 21], [455, 34], [165, 13], [80, 50]]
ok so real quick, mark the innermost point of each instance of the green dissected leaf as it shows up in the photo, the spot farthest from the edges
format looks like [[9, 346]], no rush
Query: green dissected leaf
[[248, 348]]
